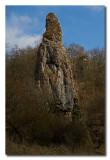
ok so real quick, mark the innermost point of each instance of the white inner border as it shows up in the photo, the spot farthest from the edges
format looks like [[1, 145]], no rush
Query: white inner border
[[3, 3]]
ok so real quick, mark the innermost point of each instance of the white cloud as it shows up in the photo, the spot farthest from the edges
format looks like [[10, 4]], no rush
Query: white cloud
[[16, 36], [18, 21], [16, 32], [25, 19], [96, 8]]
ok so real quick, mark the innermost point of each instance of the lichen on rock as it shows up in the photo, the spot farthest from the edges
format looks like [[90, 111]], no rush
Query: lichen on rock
[[53, 70]]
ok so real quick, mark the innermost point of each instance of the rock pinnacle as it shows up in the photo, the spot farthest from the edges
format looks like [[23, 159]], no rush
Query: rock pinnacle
[[53, 29], [53, 69]]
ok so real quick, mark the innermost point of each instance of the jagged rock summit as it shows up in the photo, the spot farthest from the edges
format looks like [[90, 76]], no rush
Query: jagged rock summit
[[53, 30], [53, 70]]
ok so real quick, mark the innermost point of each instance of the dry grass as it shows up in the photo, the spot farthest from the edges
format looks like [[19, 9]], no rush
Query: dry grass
[[23, 149], [60, 149]]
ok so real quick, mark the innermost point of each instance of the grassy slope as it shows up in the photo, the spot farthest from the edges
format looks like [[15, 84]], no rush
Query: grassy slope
[[23, 149]]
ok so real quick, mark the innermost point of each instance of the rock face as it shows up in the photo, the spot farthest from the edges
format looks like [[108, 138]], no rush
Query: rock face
[[53, 70]]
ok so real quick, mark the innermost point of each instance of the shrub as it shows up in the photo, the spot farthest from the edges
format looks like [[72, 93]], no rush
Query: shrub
[[30, 114], [77, 135]]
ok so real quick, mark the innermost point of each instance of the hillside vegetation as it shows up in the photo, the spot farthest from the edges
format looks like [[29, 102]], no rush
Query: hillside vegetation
[[31, 125]]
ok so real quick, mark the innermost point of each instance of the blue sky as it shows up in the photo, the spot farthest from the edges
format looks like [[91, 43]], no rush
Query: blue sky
[[83, 25]]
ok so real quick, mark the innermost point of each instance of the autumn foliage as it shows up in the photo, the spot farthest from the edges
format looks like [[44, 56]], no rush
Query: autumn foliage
[[29, 114]]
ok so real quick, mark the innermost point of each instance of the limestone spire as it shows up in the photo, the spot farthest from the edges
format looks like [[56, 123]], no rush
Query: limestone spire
[[53, 29], [53, 69]]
